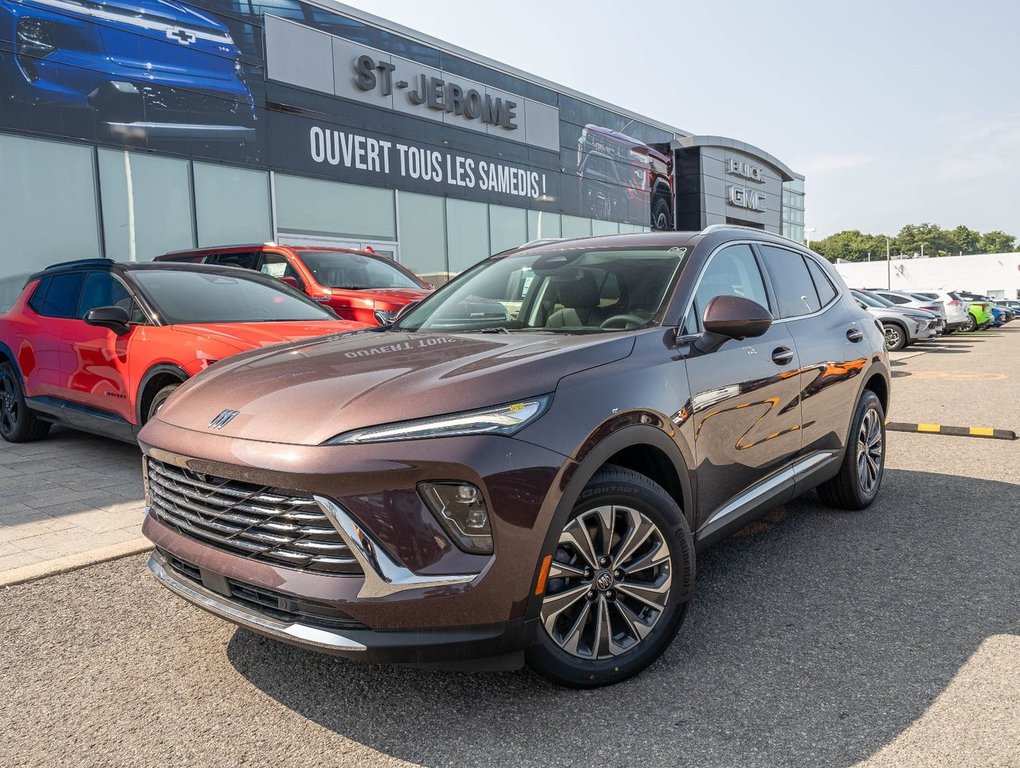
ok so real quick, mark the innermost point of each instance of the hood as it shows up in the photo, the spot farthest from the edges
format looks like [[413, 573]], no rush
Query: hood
[[395, 295], [306, 393], [245, 336], [182, 39]]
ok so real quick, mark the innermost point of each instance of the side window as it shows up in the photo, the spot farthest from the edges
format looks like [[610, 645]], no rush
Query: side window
[[103, 290], [826, 291], [795, 293], [733, 271], [244, 260], [62, 296], [275, 265], [894, 298], [39, 295]]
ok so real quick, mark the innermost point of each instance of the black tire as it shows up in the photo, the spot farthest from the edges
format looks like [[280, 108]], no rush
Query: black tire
[[970, 324], [664, 559], [158, 399], [895, 336], [17, 422], [661, 218], [854, 487]]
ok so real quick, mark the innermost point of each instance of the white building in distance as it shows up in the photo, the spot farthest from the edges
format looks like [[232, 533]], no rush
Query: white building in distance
[[996, 275]]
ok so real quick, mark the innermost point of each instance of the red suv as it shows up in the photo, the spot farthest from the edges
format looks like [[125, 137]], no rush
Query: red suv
[[100, 346], [358, 285]]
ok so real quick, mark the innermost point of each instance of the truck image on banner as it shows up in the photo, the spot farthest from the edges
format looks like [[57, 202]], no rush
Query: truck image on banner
[[143, 71]]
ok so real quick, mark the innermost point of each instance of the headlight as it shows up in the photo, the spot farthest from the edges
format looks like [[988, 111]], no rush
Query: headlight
[[36, 37], [460, 509], [500, 420]]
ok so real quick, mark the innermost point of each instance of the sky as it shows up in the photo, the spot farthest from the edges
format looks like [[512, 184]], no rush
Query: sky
[[897, 112]]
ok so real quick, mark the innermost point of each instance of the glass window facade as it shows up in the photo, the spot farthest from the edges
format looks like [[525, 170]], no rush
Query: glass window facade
[[37, 178], [422, 223], [508, 227], [232, 205], [317, 207], [793, 210], [542, 224], [146, 204], [467, 233]]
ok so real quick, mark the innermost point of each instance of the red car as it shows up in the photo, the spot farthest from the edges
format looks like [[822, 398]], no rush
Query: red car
[[357, 285], [99, 346]]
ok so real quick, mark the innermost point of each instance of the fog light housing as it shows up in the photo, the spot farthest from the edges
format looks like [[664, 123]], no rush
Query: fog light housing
[[460, 509]]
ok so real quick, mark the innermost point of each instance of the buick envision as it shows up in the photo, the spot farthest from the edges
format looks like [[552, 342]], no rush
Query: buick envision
[[527, 484]]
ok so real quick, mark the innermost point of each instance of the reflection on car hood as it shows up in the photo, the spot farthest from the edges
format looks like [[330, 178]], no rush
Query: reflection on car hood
[[388, 295], [307, 392], [245, 336]]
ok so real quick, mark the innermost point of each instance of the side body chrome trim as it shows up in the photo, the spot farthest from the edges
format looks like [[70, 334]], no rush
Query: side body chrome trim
[[221, 606], [383, 575], [784, 478]]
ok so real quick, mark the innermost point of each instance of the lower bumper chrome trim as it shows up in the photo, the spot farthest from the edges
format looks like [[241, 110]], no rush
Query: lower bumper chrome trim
[[221, 606]]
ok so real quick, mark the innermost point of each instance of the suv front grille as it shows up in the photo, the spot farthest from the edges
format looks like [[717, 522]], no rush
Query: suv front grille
[[262, 523], [187, 106]]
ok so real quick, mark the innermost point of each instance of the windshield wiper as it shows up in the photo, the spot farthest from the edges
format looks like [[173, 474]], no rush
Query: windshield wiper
[[498, 329]]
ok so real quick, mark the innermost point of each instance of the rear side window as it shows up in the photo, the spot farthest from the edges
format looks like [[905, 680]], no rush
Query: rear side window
[[62, 295], [38, 295], [826, 291], [894, 298], [795, 291]]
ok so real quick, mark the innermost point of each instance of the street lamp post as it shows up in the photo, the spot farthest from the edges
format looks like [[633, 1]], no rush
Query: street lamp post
[[807, 236]]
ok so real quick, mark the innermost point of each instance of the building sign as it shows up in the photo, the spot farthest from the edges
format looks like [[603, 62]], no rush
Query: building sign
[[435, 93], [743, 196]]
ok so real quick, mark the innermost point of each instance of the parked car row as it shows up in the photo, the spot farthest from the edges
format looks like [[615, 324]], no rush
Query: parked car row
[[520, 468], [911, 316]]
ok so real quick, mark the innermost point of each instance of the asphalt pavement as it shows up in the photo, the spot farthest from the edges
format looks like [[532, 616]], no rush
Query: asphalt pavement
[[889, 637]]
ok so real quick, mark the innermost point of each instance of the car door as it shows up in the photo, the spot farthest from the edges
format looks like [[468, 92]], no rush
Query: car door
[[828, 337], [744, 399], [100, 374], [54, 360]]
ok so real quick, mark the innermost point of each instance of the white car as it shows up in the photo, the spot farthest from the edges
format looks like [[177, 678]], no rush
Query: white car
[[956, 308], [916, 301]]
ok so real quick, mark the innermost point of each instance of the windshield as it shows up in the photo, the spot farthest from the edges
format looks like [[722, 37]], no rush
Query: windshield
[[183, 296], [354, 271], [554, 289]]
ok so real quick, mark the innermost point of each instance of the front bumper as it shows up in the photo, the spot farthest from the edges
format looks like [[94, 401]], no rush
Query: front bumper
[[461, 648], [413, 581]]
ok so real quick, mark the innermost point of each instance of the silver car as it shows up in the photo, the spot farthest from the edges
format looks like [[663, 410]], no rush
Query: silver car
[[908, 300], [902, 326]]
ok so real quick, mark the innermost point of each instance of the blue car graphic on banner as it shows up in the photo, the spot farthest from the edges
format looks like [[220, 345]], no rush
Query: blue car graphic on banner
[[146, 69]]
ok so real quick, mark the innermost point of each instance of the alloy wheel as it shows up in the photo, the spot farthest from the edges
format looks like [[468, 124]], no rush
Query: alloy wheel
[[9, 406], [869, 451], [609, 582], [892, 337]]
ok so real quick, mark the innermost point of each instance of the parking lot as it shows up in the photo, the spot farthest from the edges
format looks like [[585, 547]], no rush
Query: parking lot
[[886, 637]]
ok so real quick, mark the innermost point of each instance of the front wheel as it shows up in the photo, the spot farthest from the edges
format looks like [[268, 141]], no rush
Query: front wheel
[[970, 324], [895, 337], [158, 399], [860, 475], [618, 587]]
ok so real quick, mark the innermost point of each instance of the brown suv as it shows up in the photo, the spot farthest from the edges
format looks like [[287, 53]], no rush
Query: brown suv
[[526, 483]]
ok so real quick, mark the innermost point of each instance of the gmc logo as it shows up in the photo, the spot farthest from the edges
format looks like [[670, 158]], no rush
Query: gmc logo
[[742, 197]]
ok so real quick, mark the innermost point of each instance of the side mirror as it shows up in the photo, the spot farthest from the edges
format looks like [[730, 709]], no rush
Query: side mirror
[[114, 318], [291, 281], [731, 317]]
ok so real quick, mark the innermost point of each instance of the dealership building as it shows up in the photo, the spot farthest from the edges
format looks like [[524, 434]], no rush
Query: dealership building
[[135, 127]]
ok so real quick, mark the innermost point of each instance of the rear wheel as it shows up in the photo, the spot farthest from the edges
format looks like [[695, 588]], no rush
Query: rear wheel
[[970, 324], [17, 422], [860, 475], [660, 214], [618, 586]]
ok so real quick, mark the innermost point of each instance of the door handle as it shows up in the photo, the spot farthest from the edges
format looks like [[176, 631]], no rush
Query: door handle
[[854, 334], [782, 355]]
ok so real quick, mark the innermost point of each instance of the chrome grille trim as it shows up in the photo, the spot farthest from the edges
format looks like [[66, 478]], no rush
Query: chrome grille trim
[[257, 522]]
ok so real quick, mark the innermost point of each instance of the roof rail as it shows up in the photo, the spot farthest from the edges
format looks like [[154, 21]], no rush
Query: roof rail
[[718, 227], [81, 262]]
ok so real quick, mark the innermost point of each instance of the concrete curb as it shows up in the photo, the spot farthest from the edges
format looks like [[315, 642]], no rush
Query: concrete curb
[[73, 562]]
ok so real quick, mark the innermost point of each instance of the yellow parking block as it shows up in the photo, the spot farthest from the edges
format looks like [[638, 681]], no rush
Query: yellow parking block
[[982, 431], [929, 427]]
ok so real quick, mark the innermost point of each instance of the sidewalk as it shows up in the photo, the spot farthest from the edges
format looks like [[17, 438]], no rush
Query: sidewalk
[[67, 500]]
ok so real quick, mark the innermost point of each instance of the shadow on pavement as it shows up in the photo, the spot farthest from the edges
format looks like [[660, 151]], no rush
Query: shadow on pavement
[[815, 642]]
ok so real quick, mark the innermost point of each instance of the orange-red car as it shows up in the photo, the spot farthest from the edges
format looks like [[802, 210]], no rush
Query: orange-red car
[[357, 285], [99, 346]]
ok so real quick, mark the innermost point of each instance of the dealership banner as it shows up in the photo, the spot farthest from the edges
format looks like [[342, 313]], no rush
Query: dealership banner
[[331, 97]]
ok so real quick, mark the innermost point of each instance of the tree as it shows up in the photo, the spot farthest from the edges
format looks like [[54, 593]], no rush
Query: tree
[[997, 242]]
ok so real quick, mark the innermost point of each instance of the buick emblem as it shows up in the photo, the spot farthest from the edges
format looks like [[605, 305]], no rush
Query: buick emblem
[[604, 580], [222, 419]]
